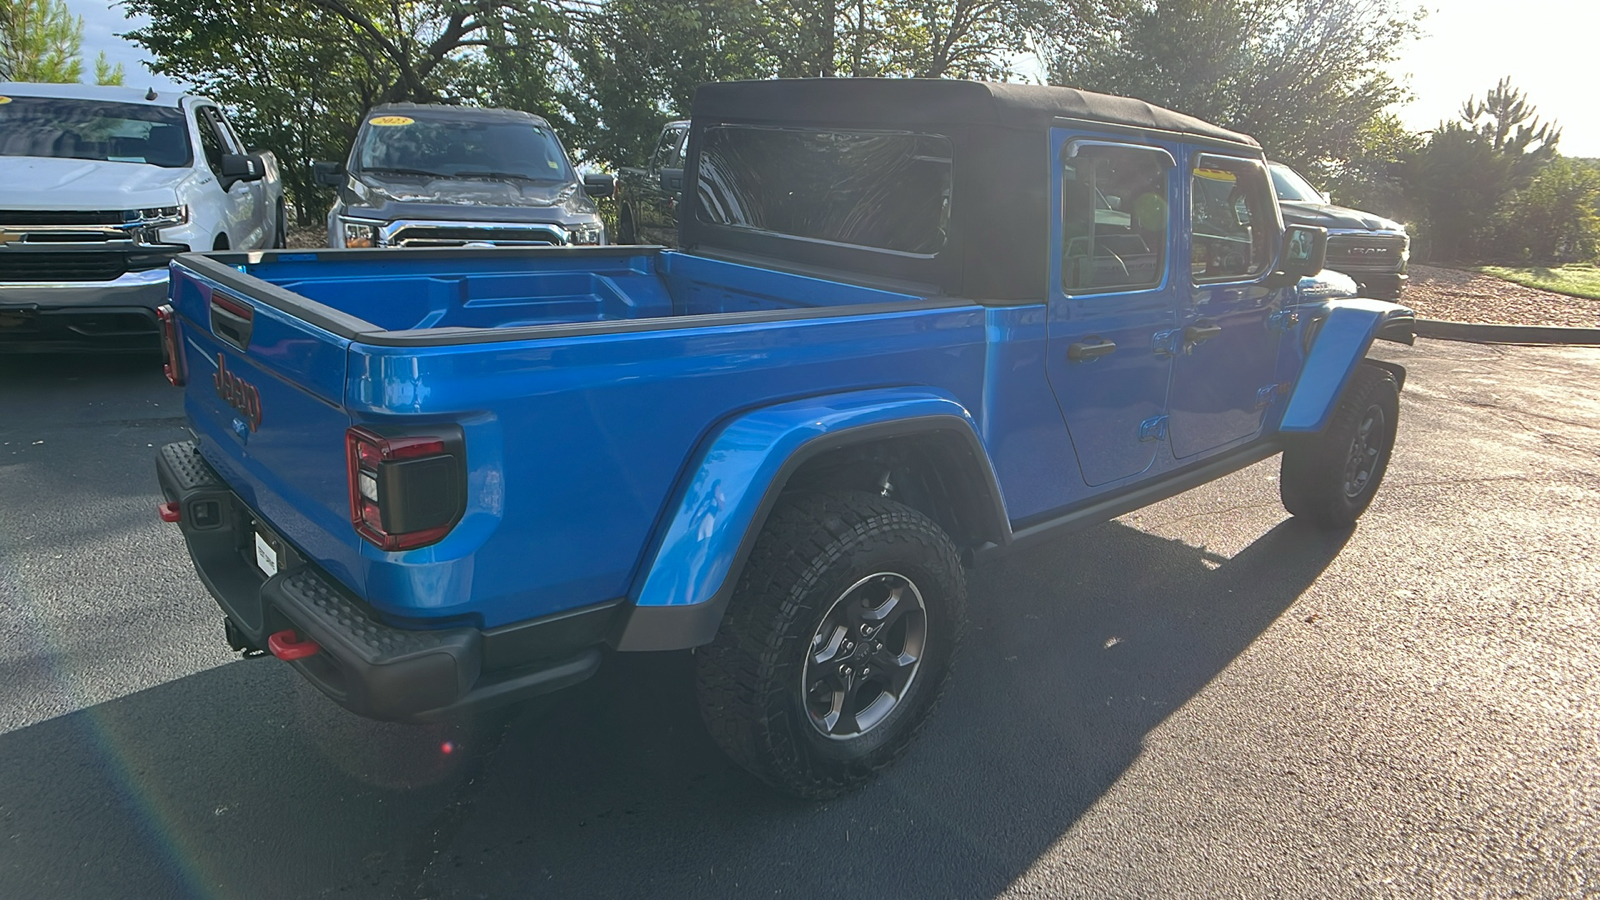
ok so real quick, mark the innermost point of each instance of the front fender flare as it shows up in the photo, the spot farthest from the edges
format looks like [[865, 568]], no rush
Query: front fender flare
[[1347, 330], [680, 596]]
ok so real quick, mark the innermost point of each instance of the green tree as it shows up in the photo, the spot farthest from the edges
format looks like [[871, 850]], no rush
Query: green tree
[[105, 72], [43, 40], [1554, 221], [1308, 78], [1373, 178], [1465, 179]]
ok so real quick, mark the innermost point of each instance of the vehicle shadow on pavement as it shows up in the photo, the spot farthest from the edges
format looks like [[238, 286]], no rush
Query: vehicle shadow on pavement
[[242, 781], [1076, 650]]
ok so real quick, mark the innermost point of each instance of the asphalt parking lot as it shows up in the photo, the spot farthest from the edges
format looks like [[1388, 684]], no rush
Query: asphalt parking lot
[[1201, 699]]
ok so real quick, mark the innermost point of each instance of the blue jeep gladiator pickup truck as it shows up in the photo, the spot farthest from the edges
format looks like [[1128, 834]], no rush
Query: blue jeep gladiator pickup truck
[[913, 324]]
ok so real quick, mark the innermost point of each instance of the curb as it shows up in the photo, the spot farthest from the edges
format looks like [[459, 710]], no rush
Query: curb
[[1505, 334]]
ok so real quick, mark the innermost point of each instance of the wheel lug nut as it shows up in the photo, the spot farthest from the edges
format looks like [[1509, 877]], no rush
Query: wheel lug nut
[[865, 671], [844, 670], [849, 645]]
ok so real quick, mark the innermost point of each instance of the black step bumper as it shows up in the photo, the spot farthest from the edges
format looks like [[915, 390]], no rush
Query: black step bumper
[[369, 667]]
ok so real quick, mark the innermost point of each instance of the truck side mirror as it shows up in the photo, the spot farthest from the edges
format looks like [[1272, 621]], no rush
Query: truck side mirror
[[600, 184], [1304, 251], [672, 180], [243, 167], [328, 174]]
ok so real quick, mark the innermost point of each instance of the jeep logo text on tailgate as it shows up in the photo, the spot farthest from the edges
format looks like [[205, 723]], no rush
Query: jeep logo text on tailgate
[[238, 393]]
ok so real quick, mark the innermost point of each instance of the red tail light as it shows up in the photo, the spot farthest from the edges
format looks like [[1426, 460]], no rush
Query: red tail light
[[406, 491], [171, 348]]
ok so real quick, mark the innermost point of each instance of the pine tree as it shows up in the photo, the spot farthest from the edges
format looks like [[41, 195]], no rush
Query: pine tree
[[43, 40]]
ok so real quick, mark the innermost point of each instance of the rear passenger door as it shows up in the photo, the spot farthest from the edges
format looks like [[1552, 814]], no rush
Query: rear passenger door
[[1112, 294], [1224, 373]]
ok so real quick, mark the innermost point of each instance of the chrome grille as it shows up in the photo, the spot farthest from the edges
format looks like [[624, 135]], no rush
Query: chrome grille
[[1366, 250], [456, 236]]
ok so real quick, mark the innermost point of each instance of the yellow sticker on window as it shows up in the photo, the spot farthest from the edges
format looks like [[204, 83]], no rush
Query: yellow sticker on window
[[4, 100], [391, 121], [1216, 174], [551, 163]]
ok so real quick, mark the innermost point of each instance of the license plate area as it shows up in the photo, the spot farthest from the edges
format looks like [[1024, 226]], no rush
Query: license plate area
[[266, 552], [266, 555]]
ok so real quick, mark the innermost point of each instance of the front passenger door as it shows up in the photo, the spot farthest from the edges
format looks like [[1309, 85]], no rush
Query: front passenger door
[[1227, 349], [658, 220], [239, 204]]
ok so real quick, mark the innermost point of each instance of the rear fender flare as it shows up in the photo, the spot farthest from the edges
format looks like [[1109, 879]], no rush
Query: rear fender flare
[[690, 574], [1347, 329]]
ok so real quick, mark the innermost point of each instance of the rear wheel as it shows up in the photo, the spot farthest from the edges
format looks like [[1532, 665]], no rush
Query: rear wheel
[[1331, 477], [837, 644]]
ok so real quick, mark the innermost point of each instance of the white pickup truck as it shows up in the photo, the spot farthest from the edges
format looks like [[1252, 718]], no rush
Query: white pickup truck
[[100, 187]]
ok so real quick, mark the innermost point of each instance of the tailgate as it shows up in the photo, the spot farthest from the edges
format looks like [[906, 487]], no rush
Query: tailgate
[[263, 395]]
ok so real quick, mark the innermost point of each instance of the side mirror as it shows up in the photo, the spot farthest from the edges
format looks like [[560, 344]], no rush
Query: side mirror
[[600, 184], [328, 174], [672, 180], [1304, 251], [243, 167]]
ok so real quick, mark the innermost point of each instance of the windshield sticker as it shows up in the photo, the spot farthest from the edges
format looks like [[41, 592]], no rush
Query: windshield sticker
[[391, 121], [551, 163], [1216, 174], [4, 100]]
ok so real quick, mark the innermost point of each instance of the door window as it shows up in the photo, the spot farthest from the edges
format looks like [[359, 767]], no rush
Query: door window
[[1114, 218], [229, 136], [210, 142], [664, 155], [1235, 227]]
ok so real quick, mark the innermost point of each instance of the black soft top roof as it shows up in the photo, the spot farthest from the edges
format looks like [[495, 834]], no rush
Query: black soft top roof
[[468, 113], [928, 101]]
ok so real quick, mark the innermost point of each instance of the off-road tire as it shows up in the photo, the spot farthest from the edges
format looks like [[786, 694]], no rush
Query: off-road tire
[[814, 551], [280, 229], [1321, 479]]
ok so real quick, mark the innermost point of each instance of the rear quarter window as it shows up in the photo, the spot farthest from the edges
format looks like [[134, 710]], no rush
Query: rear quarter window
[[880, 190]]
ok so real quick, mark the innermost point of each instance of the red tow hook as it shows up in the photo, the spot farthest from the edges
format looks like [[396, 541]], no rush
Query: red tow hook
[[170, 512], [287, 645]]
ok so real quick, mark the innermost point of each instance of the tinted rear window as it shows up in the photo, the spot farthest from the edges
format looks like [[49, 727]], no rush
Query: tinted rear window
[[888, 191], [94, 129]]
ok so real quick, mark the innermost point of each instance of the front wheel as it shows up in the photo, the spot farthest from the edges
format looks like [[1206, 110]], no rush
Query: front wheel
[[1331, 477], [627, 233], [837, 643], [280, 231]]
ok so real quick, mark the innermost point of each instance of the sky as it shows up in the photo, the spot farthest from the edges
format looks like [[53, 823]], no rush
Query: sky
[[1547, 47]]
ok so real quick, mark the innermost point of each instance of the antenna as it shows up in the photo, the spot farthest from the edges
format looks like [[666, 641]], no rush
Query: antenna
[[150, 94]]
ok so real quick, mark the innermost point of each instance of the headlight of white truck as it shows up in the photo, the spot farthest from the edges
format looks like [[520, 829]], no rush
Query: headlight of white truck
[[146, 224]]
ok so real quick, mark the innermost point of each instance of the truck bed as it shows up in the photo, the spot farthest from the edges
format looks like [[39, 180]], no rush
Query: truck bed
[[447, 292], [583, 380]]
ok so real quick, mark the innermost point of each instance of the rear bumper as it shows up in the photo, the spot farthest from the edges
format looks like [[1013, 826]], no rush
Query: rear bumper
[[365, 664]]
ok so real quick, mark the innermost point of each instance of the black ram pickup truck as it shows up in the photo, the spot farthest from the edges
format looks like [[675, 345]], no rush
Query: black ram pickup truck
[[452, 176], [1370, 249], [647, 199]]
